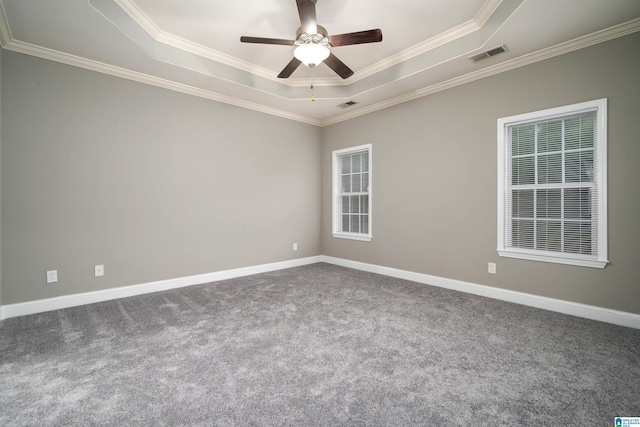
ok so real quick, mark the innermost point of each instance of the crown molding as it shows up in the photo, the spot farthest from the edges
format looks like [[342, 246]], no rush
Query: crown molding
[[141, 18], [441, 39], [205, 52], [598, 37], [160, 36], [422, 47], [425, 46], [100, 67], [5, 31], [559, 49], [486, 11]]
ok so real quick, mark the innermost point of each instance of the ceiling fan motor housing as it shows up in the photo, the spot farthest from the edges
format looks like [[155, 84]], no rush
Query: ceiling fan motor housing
[[321, 30]]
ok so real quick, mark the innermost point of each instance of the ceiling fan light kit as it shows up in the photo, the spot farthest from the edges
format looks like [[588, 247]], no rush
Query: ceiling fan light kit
[[311, 50], [312, 45]]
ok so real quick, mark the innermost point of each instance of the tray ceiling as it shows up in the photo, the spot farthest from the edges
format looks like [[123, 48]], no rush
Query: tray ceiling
[[194, 47]]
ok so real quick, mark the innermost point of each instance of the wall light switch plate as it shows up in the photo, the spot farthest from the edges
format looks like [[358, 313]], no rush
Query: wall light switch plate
[[52, 276], [295, 246], [492, 268], [99, 270]]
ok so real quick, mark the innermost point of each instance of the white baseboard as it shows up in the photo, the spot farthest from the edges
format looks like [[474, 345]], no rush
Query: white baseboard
[[616, 317], [567, 307], [66, 301]]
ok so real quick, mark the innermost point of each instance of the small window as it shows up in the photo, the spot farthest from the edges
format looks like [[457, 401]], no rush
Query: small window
[[552, 202], [352, 193]]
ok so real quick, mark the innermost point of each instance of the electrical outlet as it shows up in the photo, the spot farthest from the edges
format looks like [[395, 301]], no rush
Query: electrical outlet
[[99, 270], [492, 268], [295, 246], [52, 276]]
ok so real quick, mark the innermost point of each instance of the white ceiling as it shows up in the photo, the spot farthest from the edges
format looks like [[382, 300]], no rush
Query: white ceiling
[[193, 46]]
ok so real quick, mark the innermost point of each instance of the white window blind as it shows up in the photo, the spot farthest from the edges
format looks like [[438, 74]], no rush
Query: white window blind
[[352, 193], [552, 196]]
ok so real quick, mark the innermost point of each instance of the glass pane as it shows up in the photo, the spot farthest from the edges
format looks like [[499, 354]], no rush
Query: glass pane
[[577, 237], [364, 205], [572, 133], [365, 224], [355, 204], [346, 164], [579, 166], [586, 166], [549, 137], [355, 223], [522, 234], [549, 236], [346, 183], [522, 203], [365, 181], [587, 130], [543, 136], [356, 186], [550, 169], [345, 223], [572, 167], [356, 163], [549, 203], [554, 136], [523, 140], [577, 203], [345, 204], [523, 171], [365, 161]]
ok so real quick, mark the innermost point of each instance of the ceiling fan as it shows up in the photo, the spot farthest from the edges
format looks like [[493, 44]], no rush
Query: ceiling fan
[[313, 44]]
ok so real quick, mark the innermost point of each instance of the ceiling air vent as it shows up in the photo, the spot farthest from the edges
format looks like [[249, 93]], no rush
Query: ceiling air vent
[[347, 104], [489, 53]]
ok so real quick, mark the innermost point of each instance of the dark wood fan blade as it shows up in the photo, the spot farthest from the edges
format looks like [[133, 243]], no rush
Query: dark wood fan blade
[[338, 66], [290, 68], [369, 36], [263, 40], [307, 12]]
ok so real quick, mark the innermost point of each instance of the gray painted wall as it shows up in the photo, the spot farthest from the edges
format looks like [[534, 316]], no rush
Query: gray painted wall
[[435, 177], [151, 183], [156, 184], [1, 177]]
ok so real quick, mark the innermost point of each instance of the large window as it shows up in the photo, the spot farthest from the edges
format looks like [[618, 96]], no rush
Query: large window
[[552, 185], [352, 193]]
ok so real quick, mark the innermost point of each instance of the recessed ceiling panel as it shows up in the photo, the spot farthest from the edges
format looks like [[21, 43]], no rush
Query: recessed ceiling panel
[[193, 46]]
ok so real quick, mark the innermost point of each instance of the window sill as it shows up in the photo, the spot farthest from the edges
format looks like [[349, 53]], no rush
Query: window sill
[[353, 236], [582, 262]]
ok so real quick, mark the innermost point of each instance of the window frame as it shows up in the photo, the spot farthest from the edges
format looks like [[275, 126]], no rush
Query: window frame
[[504, 176], [336, 172]]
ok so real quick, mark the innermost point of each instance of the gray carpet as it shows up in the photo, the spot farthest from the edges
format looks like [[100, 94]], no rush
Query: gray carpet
[[315, 345]]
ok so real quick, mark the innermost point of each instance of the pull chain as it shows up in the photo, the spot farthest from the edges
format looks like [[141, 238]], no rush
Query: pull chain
[[313, 92]]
